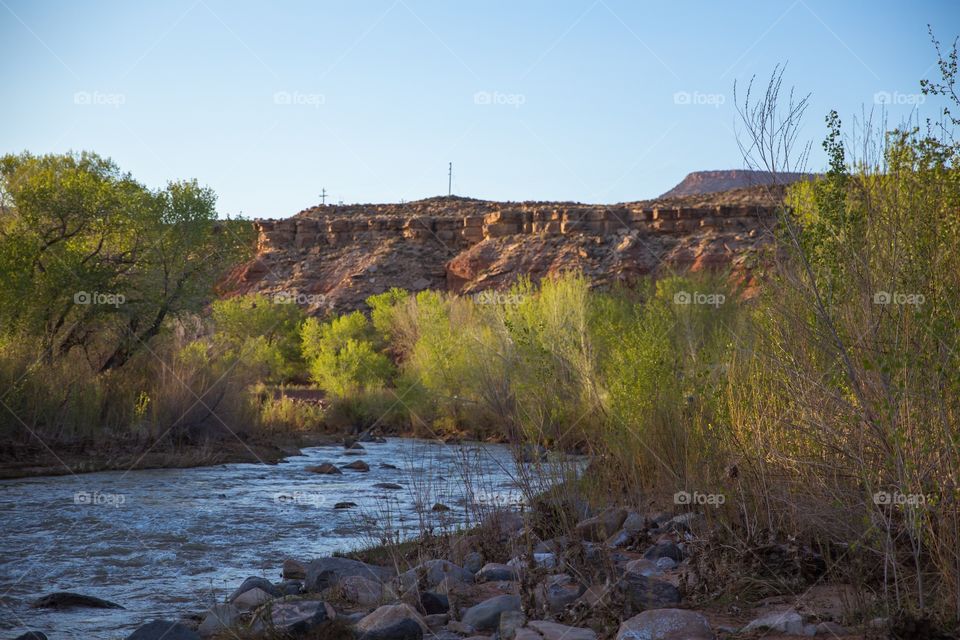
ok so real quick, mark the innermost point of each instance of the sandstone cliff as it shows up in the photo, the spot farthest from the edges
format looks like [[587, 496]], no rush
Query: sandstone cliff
[[333, 257]]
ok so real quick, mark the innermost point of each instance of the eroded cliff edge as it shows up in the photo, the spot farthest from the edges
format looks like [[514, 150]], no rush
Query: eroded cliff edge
[[335, 256]]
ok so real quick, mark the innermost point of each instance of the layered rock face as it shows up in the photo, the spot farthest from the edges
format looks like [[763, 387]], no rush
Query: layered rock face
[[703, 182], [333, 257]]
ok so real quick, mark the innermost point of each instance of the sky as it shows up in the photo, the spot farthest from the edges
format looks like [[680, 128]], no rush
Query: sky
[[269, 104]]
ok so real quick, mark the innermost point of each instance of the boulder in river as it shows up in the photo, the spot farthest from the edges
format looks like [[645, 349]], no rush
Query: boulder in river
[[345, 505], [327, 572], [69, 600], [357, 465], [325, 468], [32, 635], [388, 485], [164, 630]]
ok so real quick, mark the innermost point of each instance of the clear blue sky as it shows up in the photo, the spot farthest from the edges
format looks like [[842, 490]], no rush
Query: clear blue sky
[[267, 103]]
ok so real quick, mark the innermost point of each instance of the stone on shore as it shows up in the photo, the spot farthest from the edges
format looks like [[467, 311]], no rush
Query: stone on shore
[[486, 615], [555, 592], [392, 622], [648, 592], [327, 572], [364, 591], [251, 599], [293, 570], [255, 582], [643, 567], [219, 618], [431, 573], [601, 527], [510, 622], [497, 572], [164, 630], [555, 631], [664, 549], [294, 617], [69, 600], [788, 621], [666, 624]]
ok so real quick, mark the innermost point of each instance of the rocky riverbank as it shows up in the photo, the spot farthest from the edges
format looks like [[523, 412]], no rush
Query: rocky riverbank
[[34, 459], [619, 573]]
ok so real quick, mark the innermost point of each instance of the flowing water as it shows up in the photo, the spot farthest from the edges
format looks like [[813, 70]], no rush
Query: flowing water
[[166, 542]]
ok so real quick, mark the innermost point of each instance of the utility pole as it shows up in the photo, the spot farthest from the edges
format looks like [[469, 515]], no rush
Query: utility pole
[[450, 179], [323, 196]]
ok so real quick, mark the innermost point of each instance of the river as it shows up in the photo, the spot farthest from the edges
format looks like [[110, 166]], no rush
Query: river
[[166, 542]]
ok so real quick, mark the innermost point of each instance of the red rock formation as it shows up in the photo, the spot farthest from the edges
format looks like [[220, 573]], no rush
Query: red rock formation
[[333, 257]]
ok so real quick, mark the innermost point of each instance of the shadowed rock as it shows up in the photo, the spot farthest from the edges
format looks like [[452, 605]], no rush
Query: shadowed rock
[[69, 600]]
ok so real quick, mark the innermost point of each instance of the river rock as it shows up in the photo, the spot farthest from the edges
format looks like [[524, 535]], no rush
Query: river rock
[[643, 567], [364, 591], [473, 561], [510, 621], [220, 617], [388, 485], [392, 622], [387, 465], [357, 465], [326, 468], [634, 523], [788, 621], [601, 527], [664, 549], [555, 592], [251, 599], [432, 603], [433, 572], [32, 635], [69, 600], [164, 630], [294, 617], [486, 615], [255, 582], [666, 624], [327, 572], [293, 570], [555, 631], [439, 507], [648, 592], [496, 572], [344, 505]]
